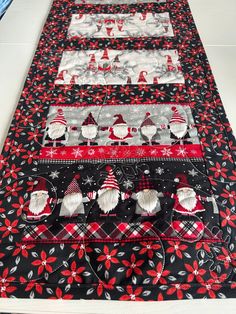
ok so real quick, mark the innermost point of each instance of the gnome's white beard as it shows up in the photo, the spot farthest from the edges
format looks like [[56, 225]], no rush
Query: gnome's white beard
[[187, 198], [56, 130], [72, 201], [178, 129], [89, 131], [149, 131], [148, 200], [120, 131], [38, 203], [108, 199]]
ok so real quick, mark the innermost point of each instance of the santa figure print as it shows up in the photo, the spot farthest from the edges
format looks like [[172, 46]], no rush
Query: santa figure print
[[120, 132], [146, 196], [73, 200], [56, 133], [179, 128], [89, 131], [40, 204]]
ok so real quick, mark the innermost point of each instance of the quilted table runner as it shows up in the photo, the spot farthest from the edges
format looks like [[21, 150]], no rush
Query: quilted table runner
[[118, 171]]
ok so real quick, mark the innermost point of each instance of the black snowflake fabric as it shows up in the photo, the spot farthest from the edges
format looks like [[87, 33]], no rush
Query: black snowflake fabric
[[118, 171]]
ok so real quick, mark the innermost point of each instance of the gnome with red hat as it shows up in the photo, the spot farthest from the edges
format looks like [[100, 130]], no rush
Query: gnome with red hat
[[89, 131], [187, 202], [147, 198], [56, 133], [73, 200], [39, 206], [179, 128], [119, 132], [107, 197], [149, 131], [104, 64]]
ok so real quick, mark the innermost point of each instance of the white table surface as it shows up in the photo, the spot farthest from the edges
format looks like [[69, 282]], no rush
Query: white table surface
[[19, 33]]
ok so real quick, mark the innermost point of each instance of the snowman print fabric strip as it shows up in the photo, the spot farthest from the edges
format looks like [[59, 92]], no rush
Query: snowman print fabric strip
[[118, 171]]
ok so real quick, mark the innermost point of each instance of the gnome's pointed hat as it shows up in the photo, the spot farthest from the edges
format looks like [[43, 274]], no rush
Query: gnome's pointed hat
[[40, 186], [73, 187], [110, 182], [145, 182], [59, 117], [119, 119], [176, 117], [182, 181], [147, 120], [105, 54], [89, 120]]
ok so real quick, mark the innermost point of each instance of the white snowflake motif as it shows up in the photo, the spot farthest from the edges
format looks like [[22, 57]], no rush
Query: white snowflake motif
[[198, 187], [101, 150], [91, 152], [159, 170], [54, 189], [181, 151], [128, 184], [51, 152], [192, 173], [140, 152], [54, 174], [88, 180], [166, 152], [77, 152]]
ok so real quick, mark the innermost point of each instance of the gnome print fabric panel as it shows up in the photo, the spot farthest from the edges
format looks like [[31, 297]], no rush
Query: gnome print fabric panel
[[120, 25], [106, 66], [118, 171]]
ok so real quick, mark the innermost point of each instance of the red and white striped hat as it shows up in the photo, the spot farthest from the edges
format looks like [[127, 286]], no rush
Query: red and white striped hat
[[176, 117], [59, 117], [73, 187], [110, 182]]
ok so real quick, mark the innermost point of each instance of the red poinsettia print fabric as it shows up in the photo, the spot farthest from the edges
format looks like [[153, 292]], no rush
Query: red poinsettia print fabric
[[118, 171]]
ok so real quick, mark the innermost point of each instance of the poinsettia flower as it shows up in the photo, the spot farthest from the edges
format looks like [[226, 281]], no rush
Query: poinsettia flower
[[178, 289], [177, 248], [148, 248], [9, 227], [194, 272], [219, 171], [13, 189], [107, 286], [32, 285], [133, 266], [5, 289], [216, 278], [203, 245], [209, 288], [158, 274], [228, 218], [12, 172], [227, 257], [19, 206], [74, 273], [59, 295], [44, 262], [30, 156], [132, 295], [231, 195], [22, 249], [218, 139], [108, 257], [81, 249]]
